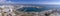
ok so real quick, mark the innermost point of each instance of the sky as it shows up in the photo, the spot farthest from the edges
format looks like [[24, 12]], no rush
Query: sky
[[30, 1]]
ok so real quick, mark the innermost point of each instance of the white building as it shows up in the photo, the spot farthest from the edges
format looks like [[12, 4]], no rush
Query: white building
[[7, 9]]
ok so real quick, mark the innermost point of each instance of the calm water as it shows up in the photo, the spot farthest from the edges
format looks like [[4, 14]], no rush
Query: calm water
[[45, 7]]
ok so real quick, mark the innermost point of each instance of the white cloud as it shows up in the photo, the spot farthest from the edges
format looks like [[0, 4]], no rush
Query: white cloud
[[2, 0], [37, 2], [5, 2], [51, 3]]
